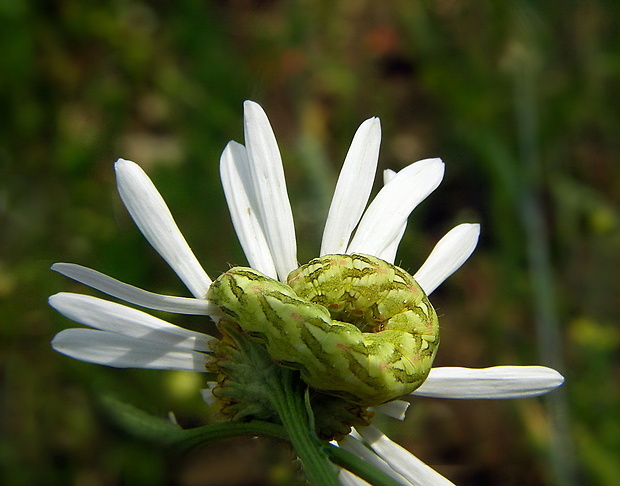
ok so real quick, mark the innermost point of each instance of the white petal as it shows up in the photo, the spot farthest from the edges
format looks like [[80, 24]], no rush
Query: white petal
[[497, 382], [153, 218], [395, 409], [401, 460], [118, 351], [353, 187], [243, 206], [268, 180], [347, 478], [109, 316], [389, 211], [354, 446], [207, 394], [389, 254], [134, 295], [448, 256]]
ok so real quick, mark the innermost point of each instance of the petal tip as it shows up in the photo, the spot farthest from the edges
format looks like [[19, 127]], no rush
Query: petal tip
[[557, 377], [472, 230], [373, 122], [123, 168], [120, 162], [58, 342], [250, 106]]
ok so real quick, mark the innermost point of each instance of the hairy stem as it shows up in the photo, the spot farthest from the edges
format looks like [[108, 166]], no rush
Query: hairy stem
[[287, 395]]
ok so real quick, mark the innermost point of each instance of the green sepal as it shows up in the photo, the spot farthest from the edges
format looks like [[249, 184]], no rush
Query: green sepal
[[242, 366]]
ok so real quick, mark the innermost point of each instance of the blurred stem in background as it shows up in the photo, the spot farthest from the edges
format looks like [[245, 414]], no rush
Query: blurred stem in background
[[525, 66]]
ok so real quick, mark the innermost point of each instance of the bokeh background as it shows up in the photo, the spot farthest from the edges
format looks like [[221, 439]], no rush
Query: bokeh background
[[521, 99]]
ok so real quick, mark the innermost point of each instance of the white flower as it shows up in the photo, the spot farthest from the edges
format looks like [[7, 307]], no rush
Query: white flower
[[255, 188]]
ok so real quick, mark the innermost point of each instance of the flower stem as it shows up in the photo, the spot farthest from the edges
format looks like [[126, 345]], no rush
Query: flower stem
[[166, 433], [187, 439], [163, 432], [287, 396], [359, 467]]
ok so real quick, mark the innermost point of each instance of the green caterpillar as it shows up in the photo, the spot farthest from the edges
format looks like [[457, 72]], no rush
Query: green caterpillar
[[354, 325]]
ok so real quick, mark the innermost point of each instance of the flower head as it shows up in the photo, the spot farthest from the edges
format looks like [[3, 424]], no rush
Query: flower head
[[255, 189]]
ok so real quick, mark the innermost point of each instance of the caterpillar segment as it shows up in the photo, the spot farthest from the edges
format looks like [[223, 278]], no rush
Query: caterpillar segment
[[354, 325]]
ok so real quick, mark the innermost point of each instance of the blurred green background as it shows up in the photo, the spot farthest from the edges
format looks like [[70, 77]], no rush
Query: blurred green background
[[521, 100]]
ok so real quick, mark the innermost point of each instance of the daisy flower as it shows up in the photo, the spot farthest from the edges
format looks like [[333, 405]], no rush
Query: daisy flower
[[255, 189]]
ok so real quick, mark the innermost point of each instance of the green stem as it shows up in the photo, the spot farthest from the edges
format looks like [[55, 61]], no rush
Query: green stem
[[287, 398], [189, 438], [208, 433], [162, 431], [166, 433], [359, 467]]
